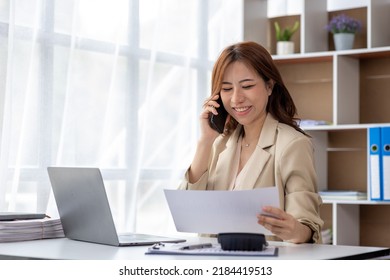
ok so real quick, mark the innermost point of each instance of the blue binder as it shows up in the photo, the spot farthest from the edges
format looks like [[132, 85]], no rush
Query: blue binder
[[385, 139], [375, 163]]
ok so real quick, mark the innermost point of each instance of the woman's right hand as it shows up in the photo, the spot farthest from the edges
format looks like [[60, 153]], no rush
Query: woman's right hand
[[208, 135], [209, 107]]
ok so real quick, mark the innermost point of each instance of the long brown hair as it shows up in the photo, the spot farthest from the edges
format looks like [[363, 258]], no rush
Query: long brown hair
[[280, 104]]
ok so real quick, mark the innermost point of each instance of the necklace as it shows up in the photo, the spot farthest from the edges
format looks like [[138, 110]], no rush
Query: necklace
[[246, 145]]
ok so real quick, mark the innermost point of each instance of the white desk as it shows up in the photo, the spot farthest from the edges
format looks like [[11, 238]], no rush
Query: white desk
[[64, 248]]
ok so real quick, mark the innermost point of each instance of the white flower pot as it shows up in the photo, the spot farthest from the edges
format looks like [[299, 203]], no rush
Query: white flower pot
[[343, 41], [284, 47]]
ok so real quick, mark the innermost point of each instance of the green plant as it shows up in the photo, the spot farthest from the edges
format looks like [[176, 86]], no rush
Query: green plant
[[285, 35]]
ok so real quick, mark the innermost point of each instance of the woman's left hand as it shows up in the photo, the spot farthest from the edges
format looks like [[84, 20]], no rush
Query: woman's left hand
[[283, 225]]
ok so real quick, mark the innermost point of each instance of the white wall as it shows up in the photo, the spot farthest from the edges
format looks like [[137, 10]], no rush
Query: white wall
[[294, 7]]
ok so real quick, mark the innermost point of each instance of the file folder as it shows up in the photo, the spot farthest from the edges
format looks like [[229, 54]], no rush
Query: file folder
[[375, 165], [385, 141]]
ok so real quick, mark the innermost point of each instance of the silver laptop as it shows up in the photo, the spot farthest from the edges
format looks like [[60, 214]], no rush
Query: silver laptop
[[85, 211]]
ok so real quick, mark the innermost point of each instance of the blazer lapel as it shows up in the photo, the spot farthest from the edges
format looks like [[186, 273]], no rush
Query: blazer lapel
[[260, 158], [225, 164], [260, 155]]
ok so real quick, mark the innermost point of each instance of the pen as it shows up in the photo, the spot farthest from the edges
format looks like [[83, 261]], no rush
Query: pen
[[197, 246]]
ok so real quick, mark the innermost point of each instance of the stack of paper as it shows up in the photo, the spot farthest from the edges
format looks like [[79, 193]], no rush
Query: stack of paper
[[32, 229]]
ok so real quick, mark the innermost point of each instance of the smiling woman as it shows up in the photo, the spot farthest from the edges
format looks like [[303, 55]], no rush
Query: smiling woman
[[261, 145], [247, 93]]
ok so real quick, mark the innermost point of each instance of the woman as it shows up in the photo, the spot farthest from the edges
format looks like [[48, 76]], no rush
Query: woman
[[261, 145]]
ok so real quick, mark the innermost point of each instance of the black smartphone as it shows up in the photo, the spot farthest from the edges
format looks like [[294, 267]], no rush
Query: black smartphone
[[217, 122]]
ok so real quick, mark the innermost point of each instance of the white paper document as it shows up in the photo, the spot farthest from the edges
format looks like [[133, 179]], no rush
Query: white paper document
[[213, 212], [214, 250]]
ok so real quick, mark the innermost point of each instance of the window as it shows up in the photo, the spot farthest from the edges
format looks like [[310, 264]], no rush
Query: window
[[114, 84]]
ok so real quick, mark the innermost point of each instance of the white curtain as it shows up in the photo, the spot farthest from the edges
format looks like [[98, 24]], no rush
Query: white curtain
[[114, 84]]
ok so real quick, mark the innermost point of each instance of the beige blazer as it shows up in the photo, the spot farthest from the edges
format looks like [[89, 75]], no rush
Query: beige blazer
[[283, 157]]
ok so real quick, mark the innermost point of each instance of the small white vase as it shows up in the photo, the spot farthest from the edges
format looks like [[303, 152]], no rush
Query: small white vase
[[343, 41], [284, 47]]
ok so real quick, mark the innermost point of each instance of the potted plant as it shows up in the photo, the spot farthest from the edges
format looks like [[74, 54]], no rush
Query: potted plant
[[283, 37], [343, 29]]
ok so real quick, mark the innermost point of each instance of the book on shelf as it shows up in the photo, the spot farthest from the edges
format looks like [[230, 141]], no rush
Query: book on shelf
[[305, 122], [343, 195], [30, 229]]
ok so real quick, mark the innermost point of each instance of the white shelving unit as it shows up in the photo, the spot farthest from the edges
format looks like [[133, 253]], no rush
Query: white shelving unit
[[342, 88]]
